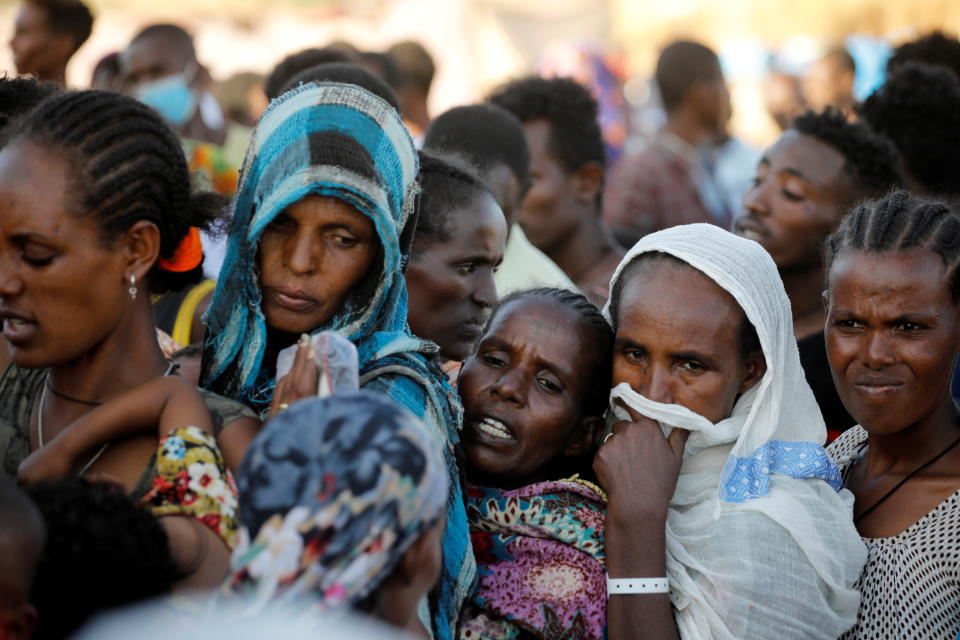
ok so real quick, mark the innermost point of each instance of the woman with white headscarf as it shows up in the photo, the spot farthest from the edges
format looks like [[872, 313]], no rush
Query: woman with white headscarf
[[725, 516]]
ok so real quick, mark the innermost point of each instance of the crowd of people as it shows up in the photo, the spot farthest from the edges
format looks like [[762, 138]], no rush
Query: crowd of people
[[481, 375]]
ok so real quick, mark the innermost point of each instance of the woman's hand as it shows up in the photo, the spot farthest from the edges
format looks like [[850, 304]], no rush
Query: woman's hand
[[302, 380], [638, 468], [53, 461]]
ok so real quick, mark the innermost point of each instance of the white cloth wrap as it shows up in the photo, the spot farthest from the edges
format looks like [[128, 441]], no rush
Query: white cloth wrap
[[760, 543]]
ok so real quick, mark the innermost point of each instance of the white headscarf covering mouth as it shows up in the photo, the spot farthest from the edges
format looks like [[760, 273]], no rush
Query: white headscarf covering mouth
[[759, 542], [776, 426]]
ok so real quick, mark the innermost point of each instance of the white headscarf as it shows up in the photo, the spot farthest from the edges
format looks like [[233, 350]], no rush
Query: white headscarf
[[760, 538]]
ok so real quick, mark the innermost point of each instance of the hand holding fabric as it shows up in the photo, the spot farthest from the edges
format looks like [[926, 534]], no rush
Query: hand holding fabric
[[638, 468], [301, 382]]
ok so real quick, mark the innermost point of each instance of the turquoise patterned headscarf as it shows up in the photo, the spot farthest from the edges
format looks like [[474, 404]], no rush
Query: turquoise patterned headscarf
[[341, 141]]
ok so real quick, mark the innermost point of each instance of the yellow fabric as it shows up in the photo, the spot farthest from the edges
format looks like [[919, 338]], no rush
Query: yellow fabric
[[183, 325], [526, 267]]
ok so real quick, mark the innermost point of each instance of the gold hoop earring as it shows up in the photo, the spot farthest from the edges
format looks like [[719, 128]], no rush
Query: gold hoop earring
[[133, 287]]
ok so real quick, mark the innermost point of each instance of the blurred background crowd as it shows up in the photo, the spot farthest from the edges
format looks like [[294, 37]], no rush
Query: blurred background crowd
[[774, 53]]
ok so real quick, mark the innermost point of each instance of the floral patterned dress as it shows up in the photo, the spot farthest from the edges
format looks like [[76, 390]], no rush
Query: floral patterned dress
[[540, 558]]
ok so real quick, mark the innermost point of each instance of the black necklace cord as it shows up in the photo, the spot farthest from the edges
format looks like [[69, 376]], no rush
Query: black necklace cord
[[909, 476]]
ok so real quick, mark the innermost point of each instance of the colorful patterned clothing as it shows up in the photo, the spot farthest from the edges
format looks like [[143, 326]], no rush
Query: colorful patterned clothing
[[191, 479], [209, 166], [334, 491], [19, 389], [654, 189], [340, 141], [540, 559]]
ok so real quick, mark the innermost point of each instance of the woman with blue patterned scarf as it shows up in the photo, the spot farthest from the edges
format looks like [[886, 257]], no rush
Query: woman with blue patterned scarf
[[318, 244]]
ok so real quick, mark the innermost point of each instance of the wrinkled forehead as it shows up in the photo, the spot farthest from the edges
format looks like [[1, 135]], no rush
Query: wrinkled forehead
[[663, 281]]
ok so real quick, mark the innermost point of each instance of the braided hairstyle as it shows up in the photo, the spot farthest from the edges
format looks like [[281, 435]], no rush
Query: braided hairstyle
[[599, 375], [19, 96], [446, 186], [901, 222], [601, 343], [127, 166]]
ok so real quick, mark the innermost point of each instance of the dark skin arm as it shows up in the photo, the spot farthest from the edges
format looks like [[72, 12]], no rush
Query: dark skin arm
[[159, 406], [638, 468], [163, 404], [234, 440]]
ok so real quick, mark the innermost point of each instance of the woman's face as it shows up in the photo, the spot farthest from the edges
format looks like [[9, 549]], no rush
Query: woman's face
[[892, 331], [678, 342], [311, 257], [522, 392], [796, 199], [451, 282], [62, 291]]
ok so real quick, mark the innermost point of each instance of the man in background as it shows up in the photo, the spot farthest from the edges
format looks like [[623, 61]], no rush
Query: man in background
[[160, 68], [416, 75], [669, 181], [560, 213], [46, 35], [829, 82]]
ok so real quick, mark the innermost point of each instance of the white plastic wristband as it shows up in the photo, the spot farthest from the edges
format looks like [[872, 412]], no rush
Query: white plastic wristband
[[637, 585]]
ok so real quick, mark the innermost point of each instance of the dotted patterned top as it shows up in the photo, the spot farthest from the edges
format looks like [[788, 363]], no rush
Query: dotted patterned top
[[910, 587]]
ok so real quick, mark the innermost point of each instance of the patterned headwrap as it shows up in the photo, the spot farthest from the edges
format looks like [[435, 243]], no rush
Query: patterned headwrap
[[341, 141], [333, 492], [331, 140]]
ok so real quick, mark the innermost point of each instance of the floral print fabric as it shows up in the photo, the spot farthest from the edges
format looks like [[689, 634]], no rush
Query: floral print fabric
[[540, 561], [191, 479], [333, 492]]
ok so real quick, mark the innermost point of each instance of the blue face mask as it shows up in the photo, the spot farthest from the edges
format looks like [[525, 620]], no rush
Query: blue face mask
[[171, 97]]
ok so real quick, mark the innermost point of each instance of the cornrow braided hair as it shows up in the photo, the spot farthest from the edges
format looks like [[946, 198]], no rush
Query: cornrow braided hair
[[446, 185], [901, 222], [127, 166], [601, 344]]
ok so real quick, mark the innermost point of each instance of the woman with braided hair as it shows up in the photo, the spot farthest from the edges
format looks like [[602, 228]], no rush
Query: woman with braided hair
[[533, 396], [95, 215], [319, 241], [893, 332]]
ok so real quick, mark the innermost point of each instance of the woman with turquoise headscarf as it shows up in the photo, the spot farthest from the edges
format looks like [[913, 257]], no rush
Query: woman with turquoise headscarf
[[318, 244]]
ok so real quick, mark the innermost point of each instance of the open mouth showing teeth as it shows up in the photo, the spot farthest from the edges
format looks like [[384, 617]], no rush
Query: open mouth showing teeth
[[16, 323], [750, 234], [495, 429]]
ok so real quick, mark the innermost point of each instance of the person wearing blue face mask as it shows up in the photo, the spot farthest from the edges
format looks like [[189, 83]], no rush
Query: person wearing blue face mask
[[161, 69]]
